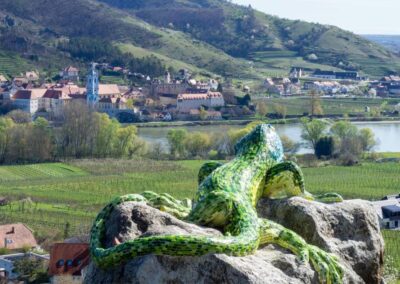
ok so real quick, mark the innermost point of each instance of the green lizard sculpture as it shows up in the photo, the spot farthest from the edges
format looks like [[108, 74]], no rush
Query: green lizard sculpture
[[226, 199]]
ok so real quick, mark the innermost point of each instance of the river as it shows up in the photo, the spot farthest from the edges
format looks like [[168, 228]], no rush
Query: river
[[386, 133]]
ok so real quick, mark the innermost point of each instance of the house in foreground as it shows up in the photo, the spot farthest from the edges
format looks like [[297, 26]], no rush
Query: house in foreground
[[388, 210], [68, 262], [16, 237]]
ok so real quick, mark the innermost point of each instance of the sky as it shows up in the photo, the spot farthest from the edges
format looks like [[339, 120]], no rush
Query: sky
[[358, 16]]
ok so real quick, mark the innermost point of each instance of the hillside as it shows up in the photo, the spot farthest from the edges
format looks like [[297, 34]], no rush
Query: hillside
[[207, 36]]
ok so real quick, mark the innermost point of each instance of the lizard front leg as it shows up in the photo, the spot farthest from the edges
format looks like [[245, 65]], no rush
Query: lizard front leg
[[167, 203], [286, 180], [326, 264]]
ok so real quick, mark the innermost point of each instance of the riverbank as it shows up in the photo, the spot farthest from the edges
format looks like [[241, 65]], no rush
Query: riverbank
[[386, 132], [243, 122]]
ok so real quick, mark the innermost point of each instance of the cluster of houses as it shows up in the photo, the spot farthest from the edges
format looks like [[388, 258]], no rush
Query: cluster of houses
[[387, 86], [331, 83], [300, 82], [66, 260], [165, 99]]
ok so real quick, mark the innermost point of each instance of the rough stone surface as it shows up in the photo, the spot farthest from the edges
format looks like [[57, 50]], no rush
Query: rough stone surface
[[350, 230]]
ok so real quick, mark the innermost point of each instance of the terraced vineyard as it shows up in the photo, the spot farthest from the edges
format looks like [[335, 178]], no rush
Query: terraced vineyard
[[38, 171], [298, 106], [49, 196], [74, 193], [12, 65]]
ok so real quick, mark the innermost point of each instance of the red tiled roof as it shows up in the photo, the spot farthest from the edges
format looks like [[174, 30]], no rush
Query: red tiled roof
[[71, 69], [29, 94], [108, 90], [53, 94], [66, 258], [16, 236]]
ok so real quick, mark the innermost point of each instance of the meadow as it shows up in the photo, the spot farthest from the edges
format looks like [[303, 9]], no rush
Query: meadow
[[49, 196], [332, 106]]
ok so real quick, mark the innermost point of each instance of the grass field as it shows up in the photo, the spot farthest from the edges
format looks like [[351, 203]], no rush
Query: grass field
[[298, 106], [39, 171], [73, 193]]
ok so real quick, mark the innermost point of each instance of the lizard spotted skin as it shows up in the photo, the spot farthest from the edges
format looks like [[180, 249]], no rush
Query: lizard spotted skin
[[226, 199]]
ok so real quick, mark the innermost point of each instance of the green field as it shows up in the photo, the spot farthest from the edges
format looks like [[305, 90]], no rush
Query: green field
[[299, 106], [38, 171], [392, 251], [73, 193]]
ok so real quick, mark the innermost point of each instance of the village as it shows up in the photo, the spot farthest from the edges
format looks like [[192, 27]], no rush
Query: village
[[177, 96], [172, 97]]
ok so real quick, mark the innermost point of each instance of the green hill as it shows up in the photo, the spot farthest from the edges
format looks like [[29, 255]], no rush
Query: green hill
[[207, 36]]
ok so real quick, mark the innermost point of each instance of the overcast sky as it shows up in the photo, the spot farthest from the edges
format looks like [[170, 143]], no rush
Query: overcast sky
[[359, 16]]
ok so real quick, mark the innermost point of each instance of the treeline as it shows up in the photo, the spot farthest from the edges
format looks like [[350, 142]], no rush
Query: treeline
[[202, 145], [84, 134], [341, 140], [98, 50]]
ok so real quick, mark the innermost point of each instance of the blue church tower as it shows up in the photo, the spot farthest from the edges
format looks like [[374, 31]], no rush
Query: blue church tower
[[92, 87]]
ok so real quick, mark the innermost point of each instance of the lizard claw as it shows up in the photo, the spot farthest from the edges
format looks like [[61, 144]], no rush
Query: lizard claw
[[326, 264]]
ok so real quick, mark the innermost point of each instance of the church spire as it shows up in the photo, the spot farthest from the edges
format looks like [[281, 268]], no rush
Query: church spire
[[92, 87]]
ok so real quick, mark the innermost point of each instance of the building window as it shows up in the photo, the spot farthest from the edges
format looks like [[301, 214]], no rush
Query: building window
[[69, 262], [60, 263]]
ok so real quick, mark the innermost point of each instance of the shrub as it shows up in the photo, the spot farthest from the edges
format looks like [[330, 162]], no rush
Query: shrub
[[325, 147]]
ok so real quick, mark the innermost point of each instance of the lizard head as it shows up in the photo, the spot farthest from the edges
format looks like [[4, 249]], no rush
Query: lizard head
[[263, 139]]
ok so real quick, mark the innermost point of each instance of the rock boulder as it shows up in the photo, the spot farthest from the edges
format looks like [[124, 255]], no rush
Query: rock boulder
[[350, 230]]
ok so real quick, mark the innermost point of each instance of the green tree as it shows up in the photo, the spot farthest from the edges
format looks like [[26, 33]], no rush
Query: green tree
[[31, 270], [176, 141], [315, 103], [126, 142], [313, 130], [5, 139], [325, 147], [106, 134], [343, 129], [261, 109], [41, 148], [368, 140], [19, 116], [198, 144], [289, 146]]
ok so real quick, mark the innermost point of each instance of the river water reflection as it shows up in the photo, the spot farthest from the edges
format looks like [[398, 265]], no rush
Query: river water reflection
[[387, 133]]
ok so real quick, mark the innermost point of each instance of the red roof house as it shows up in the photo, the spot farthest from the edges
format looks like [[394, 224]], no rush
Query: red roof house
[[68, 259], [16, 236]]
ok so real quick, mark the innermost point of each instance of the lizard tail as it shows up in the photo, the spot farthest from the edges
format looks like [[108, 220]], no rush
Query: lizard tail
[[244, 242]]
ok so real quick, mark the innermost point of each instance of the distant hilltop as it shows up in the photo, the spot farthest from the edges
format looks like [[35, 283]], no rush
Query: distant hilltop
[[391, 42], [209, 37]]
